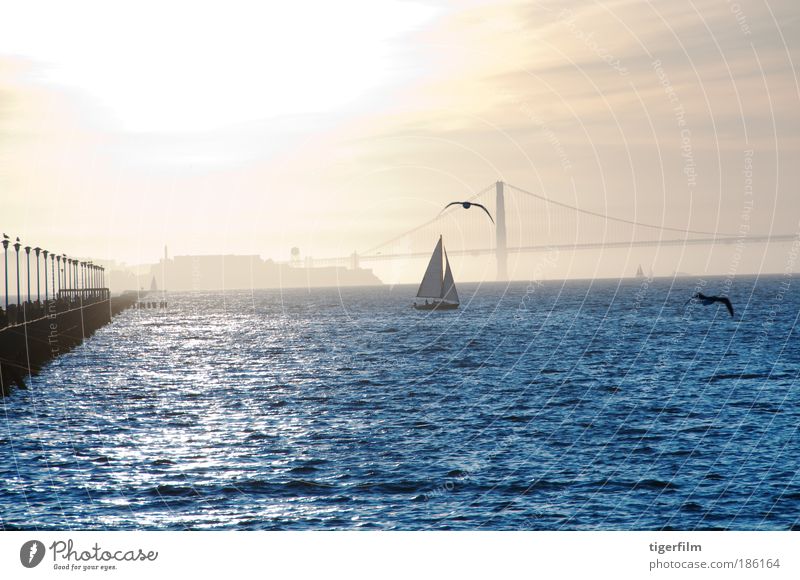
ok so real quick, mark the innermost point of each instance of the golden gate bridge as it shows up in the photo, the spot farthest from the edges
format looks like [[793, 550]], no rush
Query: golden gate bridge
[[531, 222]]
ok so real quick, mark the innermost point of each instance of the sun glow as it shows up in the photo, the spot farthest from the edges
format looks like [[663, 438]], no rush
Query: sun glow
[[195, 67]]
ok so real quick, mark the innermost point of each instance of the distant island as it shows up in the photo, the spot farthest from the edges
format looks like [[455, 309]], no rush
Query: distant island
[[235, 272]]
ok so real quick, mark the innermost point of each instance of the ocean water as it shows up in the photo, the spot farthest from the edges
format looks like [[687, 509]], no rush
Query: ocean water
[[555, 406]]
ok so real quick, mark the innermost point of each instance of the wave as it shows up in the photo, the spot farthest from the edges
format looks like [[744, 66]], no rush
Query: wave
[[168, 490], [727, 376]]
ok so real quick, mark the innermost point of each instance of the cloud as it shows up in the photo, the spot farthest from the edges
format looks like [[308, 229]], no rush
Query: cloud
[[560, 96]]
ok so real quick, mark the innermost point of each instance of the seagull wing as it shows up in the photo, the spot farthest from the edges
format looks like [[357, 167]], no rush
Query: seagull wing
[[727, 304], [449, 204], [484, 209]]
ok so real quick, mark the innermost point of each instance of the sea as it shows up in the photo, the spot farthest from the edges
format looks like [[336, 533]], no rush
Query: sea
[[576, 405]]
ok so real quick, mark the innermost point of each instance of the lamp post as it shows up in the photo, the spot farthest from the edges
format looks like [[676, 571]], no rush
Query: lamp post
[[17, 246], [28, 259], [58, 269], [45, 252], [38, 294], [5, 252], [53, 273]]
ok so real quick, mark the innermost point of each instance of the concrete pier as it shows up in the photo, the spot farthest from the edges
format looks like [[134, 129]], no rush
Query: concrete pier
[[54, 328]]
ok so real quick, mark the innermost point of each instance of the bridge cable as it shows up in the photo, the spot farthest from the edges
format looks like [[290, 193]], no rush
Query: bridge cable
[[419, 227], [616, 219]]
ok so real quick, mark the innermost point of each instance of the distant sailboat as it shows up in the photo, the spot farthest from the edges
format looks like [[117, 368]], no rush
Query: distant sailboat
[[639, 272], [438, 283]]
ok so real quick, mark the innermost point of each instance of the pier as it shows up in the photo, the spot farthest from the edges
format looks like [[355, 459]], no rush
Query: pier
[[70, 302]]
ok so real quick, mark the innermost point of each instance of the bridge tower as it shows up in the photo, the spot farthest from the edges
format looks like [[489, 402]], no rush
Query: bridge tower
[[500, 233]]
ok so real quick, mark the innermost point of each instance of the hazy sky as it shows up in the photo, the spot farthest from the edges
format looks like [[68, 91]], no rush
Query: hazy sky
[[234, 127]]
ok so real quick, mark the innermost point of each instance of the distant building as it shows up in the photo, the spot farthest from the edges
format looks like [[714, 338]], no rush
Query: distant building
[[232, 272]]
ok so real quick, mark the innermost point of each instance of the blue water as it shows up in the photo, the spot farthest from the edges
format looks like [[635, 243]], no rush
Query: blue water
[[563, 406]]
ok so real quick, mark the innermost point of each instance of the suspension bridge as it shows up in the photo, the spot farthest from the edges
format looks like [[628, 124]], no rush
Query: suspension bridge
[[531, 222]]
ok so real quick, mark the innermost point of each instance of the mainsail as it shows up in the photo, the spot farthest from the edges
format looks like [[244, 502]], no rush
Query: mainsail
[[431, 286]]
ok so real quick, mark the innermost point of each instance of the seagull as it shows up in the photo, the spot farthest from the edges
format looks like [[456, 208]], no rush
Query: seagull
[[467, 205], [706, 300], [5, 236]]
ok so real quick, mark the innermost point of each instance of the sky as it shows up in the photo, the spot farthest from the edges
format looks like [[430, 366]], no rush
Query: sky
[[250, 128]]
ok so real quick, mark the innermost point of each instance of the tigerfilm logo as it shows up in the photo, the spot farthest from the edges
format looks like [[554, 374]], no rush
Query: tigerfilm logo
[[32, 553]]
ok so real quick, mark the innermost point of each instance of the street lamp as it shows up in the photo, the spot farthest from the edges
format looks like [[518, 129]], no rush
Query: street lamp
[[17, 246], [45, 252], [5, 252], [28, 258], [60, 287], [38, 294]]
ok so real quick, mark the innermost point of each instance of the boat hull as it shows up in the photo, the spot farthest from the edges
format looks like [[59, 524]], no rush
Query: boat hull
[[436, 306]]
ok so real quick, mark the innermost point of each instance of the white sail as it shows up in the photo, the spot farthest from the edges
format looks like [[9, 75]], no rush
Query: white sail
[[449, 285], [431, 286]]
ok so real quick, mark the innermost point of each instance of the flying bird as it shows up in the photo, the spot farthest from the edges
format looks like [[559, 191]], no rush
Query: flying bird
[[467, 205], [706, 300], [5, 236]]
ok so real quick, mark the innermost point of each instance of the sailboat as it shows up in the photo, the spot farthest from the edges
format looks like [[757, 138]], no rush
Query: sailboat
[[639, 272], [438, 283]]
